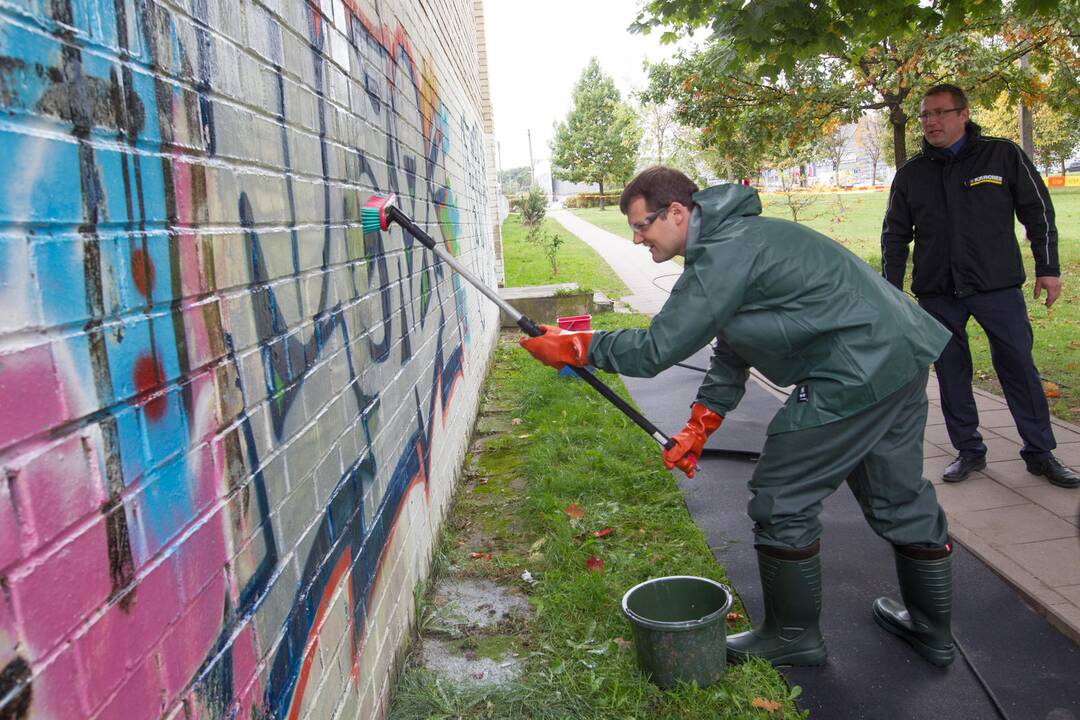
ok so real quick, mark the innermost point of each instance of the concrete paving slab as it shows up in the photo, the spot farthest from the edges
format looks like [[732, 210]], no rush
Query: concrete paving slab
[[986, 403], [1068, 453], [1071, 593], [1065, 434], [1009, 433], [978, 492], [1052, 561], [996, 418], [999, 448], [1016, 524], [1062, 502], [930, 450], [1013, 474], [937, 434]]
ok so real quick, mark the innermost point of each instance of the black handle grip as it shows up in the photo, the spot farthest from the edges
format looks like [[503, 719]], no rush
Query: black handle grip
[[529, 327]]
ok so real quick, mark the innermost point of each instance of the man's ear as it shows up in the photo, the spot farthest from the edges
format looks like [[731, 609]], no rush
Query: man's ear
[[682, 213]]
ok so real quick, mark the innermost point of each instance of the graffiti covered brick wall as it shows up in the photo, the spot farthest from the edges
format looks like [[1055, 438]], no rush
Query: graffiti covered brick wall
[[231, 420]]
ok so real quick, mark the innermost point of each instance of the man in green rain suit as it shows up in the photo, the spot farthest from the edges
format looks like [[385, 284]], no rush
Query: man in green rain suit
[[805, 312]]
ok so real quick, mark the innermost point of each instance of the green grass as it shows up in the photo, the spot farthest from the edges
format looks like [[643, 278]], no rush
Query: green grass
[[854, 220], [526, 264], [609, 218], [549, 442]]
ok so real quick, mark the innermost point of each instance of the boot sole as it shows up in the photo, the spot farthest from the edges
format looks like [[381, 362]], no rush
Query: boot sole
[[803, 658], [934, 656]]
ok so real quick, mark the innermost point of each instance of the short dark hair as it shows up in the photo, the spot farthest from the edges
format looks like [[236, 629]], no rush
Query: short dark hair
[[659, 186], [958, 95]]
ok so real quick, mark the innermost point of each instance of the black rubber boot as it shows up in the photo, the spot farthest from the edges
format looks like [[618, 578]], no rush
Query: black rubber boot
[[924, 619], [789, 634]]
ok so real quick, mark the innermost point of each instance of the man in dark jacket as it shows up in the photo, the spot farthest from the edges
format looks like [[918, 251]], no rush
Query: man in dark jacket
[[805, 312], [957, 199]]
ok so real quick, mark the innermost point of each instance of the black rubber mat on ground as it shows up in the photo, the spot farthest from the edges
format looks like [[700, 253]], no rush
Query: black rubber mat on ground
[[1031, 668]]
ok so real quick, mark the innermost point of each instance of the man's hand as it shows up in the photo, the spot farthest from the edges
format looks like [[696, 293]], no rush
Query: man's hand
[[559, 348], [1051, 284], [690, 441]]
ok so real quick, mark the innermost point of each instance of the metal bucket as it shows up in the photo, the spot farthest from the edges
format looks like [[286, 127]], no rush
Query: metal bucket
[[680, 628]]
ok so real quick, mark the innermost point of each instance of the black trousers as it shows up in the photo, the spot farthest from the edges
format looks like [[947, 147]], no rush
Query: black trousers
[[1003, 315]]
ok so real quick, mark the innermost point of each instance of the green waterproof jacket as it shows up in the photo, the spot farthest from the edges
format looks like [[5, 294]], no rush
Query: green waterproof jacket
[[788, 301]]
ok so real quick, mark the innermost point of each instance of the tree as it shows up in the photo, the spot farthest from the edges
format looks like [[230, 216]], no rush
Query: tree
[[515, 180], [873, 55], [868, 137], [832, 146], [745, 126], [1055, 133], [665, 141], [598, 140]]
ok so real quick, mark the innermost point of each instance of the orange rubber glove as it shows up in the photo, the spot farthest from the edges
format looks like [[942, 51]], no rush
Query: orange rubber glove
[[690, 441], [559, 348]]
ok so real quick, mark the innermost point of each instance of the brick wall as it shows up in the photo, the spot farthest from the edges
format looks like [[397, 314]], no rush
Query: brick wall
[[231, 420]]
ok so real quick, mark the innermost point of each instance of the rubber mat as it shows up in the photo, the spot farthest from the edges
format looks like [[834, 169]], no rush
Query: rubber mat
[[1032, 670]]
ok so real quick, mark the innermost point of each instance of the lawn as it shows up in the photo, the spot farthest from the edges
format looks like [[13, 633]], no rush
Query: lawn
[[854, 220], [526, 264], [609, 218], [560, 484]]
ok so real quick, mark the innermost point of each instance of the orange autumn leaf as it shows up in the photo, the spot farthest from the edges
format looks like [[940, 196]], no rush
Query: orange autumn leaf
[[766, 705], [594, 564], [603, 533], [574, 511], [734, 616], [480, 555]]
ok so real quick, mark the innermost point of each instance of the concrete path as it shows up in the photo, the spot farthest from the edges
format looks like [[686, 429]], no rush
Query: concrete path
[[649, 282], [1021, 526]]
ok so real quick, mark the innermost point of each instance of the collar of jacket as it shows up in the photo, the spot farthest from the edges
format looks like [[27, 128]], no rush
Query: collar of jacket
[[693, 229], [721, 202], [972, 132]]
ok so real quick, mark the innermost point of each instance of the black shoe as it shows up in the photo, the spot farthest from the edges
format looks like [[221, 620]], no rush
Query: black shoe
[[963, 466], [1052, 469]]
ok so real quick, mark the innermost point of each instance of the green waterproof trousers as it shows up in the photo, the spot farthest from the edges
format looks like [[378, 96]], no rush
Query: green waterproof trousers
[[879, 451]]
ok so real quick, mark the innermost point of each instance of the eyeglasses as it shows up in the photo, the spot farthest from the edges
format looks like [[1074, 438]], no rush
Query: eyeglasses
[[649, 219], [936, 114]]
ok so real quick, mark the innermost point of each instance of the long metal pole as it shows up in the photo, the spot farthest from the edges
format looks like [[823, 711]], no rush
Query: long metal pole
[[528, 326], [532, 166]]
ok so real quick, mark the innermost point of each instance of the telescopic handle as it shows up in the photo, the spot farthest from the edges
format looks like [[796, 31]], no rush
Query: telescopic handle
[[527, 326]]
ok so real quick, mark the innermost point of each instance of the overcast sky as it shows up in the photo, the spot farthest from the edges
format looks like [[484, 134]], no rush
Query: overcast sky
[[536, 52]]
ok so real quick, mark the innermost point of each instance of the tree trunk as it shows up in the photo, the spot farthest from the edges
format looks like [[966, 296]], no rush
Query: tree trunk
[[899, 122], [1062, 167], [873, 172], [601, 183]]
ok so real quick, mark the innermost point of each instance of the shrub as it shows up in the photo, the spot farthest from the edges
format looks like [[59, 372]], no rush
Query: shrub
[[588, 200], [533, 208], [515, 202]]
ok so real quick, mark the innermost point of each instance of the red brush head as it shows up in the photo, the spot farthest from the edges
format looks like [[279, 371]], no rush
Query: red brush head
[[373, 215]]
